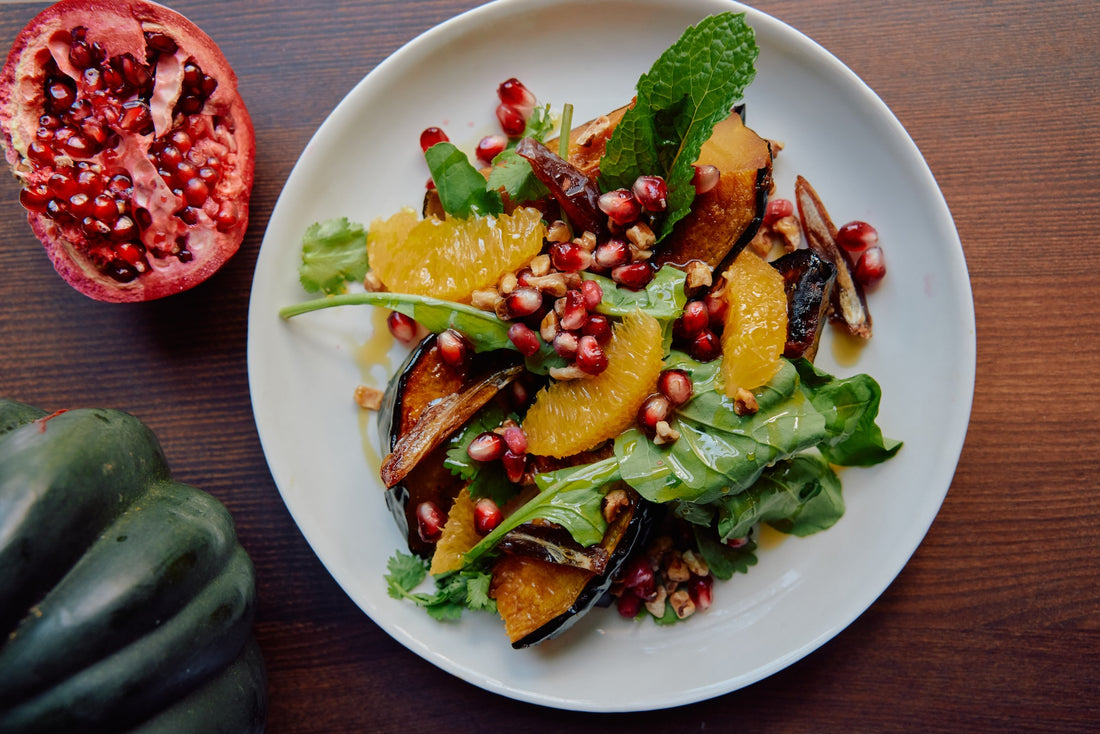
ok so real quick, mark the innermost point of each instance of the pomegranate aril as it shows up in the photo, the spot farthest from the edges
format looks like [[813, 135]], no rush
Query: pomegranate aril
[[169, 156], [78, 146], [566, 344], [569, 257], [716, 309], [40, 153], [593, 294], [516, 439], [871, 266], [431, 136], [124, 229], [612, 254], [60, 93], [651, 192], [161, 42], [105, 208], [654, 409], [701, 590], [487, 516], [777, 209], [620, 206], [522, 302], [629, 605], [633, 276], [513, 92], [486, 446], [512, 120], [515, 466], [573, 312], [129, 252], [454, 349], [676, 385], [429, 521], [693, 320], [403, 328], [490, 146], [598, 326], [856, 236], [590, 356], [705, 178], [638, 573], [706, 346], [35, 197], [195, 191], [524, 339]]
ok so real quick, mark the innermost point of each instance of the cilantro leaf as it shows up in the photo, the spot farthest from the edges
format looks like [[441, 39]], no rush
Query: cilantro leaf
[[468, 589], [692, 86], [406, 572], [334, 252], [462, 188]]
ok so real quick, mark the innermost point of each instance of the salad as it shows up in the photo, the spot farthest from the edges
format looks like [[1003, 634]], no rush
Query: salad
[[617, 388]]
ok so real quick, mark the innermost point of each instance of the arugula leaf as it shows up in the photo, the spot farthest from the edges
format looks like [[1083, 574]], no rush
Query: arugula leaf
[[850, 407], [663, 297], [691, 87], [800, 496], [462, 188], [485, 331], [334, 253], [453, 592], [485, 479]]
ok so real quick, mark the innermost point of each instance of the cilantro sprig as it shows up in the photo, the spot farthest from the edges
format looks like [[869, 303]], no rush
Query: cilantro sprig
[[467, 589], [334, 253]]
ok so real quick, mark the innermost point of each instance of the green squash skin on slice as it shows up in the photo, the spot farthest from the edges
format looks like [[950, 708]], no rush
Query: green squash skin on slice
[[143, 620]]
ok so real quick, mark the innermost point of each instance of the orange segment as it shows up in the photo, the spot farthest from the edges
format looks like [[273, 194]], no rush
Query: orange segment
[[756, 323], [451, 258], [571, 416], [458, 535]]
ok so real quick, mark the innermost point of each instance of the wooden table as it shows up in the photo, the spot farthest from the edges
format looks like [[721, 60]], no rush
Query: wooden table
[[995, 622]]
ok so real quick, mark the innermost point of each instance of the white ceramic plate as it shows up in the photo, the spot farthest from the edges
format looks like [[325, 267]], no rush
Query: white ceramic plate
[[365, 162]]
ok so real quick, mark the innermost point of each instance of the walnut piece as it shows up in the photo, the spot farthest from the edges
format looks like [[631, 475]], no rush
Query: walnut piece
[[368, 398]]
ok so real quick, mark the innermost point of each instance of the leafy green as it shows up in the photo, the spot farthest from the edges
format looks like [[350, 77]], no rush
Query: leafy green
[[662, 298], [453, 592], [461, 187], [334, 253], [691, 87], [723, 560], [484, 330], [485, 479], [850, 407], [800, 496], [511, 173]]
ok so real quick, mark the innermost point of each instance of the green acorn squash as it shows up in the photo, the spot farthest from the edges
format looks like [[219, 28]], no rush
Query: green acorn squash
[[126, 601]]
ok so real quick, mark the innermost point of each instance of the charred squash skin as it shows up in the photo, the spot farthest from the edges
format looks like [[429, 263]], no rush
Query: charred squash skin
[[142, 596]]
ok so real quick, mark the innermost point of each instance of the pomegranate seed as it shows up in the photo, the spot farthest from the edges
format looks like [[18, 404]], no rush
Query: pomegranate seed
[[35, 197], [705, 178], [515, 466], [429, 521], [104, 208], [170, 155], [490, 146], [654, 409], [487, 516], [628, 605], [621, 206], [129, 252], [487, 446], [737, 542], [512, 120], [612, 254], [40, 153], [519, 394], [431, 136], [573, 313], [516, 438], [694, 319], [651, 192], [513, 92], [403, 327], [598, 326], [871, 267], [777, 209], [124, 229], [716, 309], [195, 191], [593, 294], [569, 257], [857, 236], [675, 385], [522, 302], [566, 344], [706, 346], [634, 276], [454, 349], [227, 216], [590, 356], [524, 339], [638, 573], [701, 590]]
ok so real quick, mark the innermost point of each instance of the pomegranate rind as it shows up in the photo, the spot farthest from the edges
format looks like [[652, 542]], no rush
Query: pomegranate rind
[[755, 330], [119, 26], [568, 417]]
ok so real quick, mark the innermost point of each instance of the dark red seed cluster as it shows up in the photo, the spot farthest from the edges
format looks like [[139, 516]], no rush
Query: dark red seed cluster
[[860, 240], [666, 574], [674, 389], [697, 329], [507, 444]]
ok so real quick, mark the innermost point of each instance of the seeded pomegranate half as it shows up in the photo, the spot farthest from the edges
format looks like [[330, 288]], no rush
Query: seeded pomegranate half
[[123, 122]]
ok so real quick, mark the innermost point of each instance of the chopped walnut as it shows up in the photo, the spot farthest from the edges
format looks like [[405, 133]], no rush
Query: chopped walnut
[[682, 604], [549, 327], [571, 372], [665, 433], [695, 563], [614, 502], [641, 236], [372, 283], [587, 241], [486, 299], [697, 275], [552, 284], [508, 283], [789, 231], [540, 265], [676, 569], [744, 402], [368, 398], [656, 605], [558, 231]]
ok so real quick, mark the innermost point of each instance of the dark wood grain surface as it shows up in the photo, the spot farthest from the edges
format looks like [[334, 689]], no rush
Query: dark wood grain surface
[[995, 622]]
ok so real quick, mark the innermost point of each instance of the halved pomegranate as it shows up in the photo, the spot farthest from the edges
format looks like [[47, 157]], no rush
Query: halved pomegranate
[[123, 122]]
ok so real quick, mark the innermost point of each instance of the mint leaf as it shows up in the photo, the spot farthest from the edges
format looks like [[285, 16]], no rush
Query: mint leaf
[[334, 252], [462, 188], [691, 87]]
